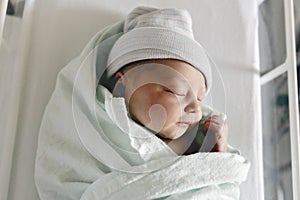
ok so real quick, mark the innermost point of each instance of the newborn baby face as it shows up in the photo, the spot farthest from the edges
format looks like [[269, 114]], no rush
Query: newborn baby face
[[165, 96]]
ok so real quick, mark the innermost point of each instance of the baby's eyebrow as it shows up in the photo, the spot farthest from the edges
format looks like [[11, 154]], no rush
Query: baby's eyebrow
[[177, 82], [176, 79]]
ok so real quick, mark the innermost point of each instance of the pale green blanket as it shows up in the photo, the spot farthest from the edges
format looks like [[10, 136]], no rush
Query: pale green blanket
[[88, 148]]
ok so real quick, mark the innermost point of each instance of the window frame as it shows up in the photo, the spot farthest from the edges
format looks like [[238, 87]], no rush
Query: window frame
[[290, 66]]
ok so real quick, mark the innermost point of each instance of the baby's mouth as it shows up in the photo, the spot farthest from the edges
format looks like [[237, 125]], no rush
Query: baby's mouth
[[183, 124]]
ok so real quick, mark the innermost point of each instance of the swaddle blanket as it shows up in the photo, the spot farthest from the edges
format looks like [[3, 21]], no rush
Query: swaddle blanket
[[89, 148]]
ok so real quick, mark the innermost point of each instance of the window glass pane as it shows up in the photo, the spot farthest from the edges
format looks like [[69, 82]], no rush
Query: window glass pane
[[271, 35], [276, 140]]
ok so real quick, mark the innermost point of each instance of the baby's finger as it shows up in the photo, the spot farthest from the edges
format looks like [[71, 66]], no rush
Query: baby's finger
[[217, 118], [215, 141], [205, 127], [211, 124], [209, 142], [216, 125]]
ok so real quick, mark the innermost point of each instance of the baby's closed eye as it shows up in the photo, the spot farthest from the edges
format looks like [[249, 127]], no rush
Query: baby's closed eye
[[174, 91]]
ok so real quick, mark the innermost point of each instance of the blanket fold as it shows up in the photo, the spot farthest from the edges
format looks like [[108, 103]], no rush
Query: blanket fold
[[89, 148]]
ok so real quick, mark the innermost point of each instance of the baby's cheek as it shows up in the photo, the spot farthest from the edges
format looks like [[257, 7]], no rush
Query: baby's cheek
[[170, 101]]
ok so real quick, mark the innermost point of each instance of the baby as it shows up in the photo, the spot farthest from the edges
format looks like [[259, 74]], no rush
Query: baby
[[165, 80], [122, 136], [165, 96]]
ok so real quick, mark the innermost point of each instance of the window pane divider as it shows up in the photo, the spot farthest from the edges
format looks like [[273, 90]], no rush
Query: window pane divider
[[274, 73], [3, 8], [293, 95]]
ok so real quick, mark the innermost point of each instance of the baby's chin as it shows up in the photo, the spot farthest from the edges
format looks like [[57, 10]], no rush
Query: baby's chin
[[171, 132], [172, 135]]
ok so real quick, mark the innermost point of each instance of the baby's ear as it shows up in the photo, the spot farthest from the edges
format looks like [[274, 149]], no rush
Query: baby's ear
[[119, 78], [119, 88]]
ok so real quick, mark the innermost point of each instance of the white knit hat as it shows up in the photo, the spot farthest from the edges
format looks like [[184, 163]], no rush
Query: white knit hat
[[151, 33]]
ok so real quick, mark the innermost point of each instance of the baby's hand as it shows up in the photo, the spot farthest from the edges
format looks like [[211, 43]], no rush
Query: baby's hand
[[216, 135]]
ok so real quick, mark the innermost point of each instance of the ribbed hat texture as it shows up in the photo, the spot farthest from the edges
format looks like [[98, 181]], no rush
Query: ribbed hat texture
[[151, 33]]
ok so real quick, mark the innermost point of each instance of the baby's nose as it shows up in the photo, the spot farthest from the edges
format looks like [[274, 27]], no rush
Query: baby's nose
[[193, 107]]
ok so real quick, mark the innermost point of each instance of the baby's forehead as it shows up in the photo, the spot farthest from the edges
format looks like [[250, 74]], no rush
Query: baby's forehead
[[165, 75], [157, 71]]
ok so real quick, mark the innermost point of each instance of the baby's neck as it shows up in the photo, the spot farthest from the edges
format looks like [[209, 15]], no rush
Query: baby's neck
[[179, 145]]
